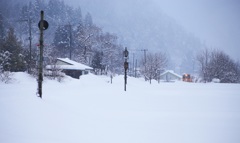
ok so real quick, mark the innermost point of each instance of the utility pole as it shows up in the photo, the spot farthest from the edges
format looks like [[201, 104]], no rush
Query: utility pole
[[145, 61], [136, 69], [29, 20], [133, 65], [30, 45], [42, 25], [70, 41], [40, 75]]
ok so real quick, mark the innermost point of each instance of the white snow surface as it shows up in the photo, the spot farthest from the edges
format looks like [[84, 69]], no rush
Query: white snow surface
[[92, 110], [70, 64]]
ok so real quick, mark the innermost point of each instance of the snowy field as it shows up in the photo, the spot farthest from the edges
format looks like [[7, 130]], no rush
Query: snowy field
[[91, 110]]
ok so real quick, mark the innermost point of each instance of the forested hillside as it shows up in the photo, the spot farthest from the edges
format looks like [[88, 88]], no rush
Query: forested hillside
[[71, 34]]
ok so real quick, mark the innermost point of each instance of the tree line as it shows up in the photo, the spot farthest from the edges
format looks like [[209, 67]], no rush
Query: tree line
[[215, 64]]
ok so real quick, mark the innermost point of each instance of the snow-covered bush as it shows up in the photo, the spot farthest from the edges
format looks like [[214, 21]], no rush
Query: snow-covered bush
[[54, 72], [5, 76], [216, 80]]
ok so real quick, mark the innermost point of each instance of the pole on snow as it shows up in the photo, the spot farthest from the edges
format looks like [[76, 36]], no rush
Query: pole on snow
[[42, 25], [125, 68]]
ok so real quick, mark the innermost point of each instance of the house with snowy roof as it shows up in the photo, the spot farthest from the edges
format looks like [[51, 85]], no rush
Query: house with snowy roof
[[170, 76], [70, 67]]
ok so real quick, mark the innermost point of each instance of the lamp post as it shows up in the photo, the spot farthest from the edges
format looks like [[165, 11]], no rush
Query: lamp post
[[125, 67]]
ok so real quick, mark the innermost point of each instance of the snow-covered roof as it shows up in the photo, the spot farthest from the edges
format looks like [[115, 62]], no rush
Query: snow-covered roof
[[171, 72], [69, 65]]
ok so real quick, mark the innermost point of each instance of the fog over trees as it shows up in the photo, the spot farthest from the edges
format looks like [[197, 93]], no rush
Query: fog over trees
[[77, 34]]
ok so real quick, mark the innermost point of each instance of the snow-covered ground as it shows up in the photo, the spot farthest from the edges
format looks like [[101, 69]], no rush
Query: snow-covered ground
[[91, 110]]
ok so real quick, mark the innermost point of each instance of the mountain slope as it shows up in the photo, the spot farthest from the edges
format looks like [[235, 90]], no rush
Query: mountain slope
[[142, 25]]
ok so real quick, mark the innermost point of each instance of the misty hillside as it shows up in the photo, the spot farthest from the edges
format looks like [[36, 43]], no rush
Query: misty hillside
[[142, 25], [138, 25]]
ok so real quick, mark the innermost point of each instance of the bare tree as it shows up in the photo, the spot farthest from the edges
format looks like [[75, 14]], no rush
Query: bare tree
[[203, 59], [54, 71], [154, 64], [161, 63], [217, 64], [223, 68]]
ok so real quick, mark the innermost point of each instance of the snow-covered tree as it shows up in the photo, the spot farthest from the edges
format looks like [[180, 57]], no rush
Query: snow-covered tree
[[112, 52], [61, 41], [2, 29], [13, 46], [38, 5], [77, 16], [5, 60], [86, 41], [97, 62], [5, 75], [223, 68], [217, 64], [88, 20]]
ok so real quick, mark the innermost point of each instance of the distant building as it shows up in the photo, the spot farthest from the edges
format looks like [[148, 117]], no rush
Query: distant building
[[70, 67], [170, 76]]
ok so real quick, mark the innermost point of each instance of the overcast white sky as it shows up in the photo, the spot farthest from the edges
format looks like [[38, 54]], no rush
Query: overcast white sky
[[216, 22]]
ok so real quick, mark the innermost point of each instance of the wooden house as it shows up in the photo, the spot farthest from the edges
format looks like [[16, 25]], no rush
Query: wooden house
[[170, 76], [70, 67]]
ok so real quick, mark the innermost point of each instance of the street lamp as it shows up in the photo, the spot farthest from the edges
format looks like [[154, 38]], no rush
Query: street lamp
[[125, 52]]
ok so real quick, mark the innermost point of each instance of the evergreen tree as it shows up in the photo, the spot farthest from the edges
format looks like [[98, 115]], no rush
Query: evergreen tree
[[24, 13], [2, 59], [2, 30], [54, 10], [13, 46], [77, 15], [37, 6], [97, 62], [61, 41], [88, 20]]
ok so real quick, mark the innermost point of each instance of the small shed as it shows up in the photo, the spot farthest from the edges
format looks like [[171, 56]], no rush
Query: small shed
[[170, 76], [70, 67]]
